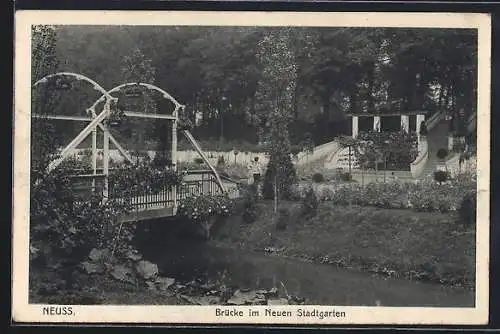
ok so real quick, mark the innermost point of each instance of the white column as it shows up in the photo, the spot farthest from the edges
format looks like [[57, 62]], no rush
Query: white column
[[376, 123], [405, 123], [355, 129]]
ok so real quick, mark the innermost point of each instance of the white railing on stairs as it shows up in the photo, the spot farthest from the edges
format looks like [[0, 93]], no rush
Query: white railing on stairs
[[472, 122], [434, 120], [418, 165], [319, 152]]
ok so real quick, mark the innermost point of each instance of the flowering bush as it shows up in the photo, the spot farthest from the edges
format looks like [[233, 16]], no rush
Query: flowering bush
[[326, 194], [419, 196], [204, 207], [142, 177], [348, 195]]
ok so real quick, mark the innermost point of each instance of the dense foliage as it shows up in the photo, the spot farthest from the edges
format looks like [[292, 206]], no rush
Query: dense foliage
[[62, 227], [142, 178], [441, 176], [216, 71], [419, 196], [204, 207], [386, 150]]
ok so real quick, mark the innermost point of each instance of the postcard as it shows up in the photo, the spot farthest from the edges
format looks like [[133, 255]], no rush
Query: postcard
[[268, 168]]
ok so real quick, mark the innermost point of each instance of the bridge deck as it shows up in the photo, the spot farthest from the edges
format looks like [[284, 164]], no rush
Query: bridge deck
[[161, 204]]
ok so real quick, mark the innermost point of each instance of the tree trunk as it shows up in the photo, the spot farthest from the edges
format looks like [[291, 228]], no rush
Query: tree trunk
[[275, 194], [350, 160]]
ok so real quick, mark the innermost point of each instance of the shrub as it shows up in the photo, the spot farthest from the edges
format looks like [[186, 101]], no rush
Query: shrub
[[467, 209], [250, 209], [220, 161], [145, 176], [283, 219], [346, 176], [65, 229], [422, 196], [442, 153], [296, 193], [199, 161], [441, 176], [318, 177], [310, 204], [326, 194], [287, 177], [348, 194], [204, 207]]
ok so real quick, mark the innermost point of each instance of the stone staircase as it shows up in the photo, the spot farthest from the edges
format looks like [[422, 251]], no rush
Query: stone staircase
[[320, 153], [437, 138]]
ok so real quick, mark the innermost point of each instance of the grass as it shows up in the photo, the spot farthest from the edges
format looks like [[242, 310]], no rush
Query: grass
[[392, 242]]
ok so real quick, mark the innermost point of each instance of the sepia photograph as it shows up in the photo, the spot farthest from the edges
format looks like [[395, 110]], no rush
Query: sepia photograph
[[267, 172]]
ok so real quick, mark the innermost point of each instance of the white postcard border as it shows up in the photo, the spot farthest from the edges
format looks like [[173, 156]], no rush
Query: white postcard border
[[24, 312]]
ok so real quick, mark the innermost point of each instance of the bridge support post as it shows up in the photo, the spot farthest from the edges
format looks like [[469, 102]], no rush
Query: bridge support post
[[354, 126], [94, 152], [105, 160], [173, 155]]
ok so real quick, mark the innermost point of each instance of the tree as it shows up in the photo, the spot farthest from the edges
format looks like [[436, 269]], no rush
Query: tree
[[44, 140], [274, 109], [136, 68], [338, 70]]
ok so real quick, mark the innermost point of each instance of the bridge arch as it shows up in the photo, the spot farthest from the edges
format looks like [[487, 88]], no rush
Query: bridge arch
[[165, 95], [78, 77]]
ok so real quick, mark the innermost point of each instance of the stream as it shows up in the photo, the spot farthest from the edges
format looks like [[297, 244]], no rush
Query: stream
[[320, 284]]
